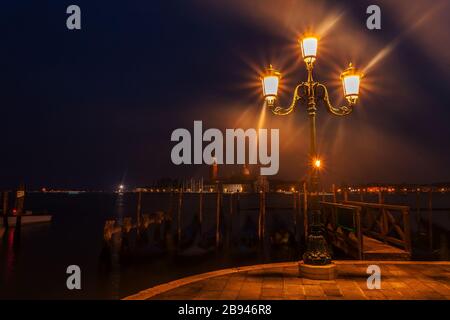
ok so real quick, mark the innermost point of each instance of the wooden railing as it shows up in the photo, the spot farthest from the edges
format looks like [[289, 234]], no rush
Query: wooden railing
[[343, 225], [388, 223]]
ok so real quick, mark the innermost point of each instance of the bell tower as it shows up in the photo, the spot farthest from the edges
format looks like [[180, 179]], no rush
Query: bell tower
[[214, 173]]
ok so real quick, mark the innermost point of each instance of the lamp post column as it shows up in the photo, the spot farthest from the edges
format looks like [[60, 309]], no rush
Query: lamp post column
[[312, 110], [317, 252], [314, 174]]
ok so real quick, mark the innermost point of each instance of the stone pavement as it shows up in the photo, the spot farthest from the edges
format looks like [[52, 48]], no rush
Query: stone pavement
[[399, 281]]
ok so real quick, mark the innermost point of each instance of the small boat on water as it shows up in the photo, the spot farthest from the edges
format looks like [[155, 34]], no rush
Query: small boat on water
[[28, 218]]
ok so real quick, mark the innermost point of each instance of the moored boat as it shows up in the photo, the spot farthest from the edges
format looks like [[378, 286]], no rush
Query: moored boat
[[28, 219]]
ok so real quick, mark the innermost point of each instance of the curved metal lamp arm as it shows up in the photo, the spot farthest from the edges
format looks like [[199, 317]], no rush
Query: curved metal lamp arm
[[285, 111], [340, 111]]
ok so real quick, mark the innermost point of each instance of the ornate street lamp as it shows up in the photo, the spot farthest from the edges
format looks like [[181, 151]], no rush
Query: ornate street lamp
[[310, 94]]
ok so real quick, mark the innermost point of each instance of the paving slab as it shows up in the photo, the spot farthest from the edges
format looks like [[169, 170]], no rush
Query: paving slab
[[400, 280]]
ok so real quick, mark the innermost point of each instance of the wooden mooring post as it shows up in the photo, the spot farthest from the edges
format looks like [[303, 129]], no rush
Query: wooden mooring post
[[294, 201], [294, 212], [168, 224], [180, 205], [334, 193], [384, 221], [430, 219], [200, 212], [5, 208], [262, 215], [20, 201], [230, 220], [297, 212], [418, 217], [305, 210], [138, 212], [218, 207], [380, 197], [238, 205]]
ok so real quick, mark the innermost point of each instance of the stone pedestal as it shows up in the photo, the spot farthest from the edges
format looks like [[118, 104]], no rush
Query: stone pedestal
[[326, 272]]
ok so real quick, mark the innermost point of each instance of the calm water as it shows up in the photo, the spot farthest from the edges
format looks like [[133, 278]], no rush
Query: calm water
[[33, 263]]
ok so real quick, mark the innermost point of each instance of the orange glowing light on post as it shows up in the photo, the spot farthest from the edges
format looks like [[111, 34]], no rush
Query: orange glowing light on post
[[351, 80], [309, 49], [270, 82], [317, 163]]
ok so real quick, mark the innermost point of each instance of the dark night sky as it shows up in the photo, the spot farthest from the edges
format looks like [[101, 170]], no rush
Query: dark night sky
[[94, 107]]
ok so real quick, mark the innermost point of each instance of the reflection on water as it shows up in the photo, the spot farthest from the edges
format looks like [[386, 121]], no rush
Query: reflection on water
[[115, 263], [33, 260], [11, 243]]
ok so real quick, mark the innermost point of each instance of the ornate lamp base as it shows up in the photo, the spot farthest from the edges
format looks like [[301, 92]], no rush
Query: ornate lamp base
[[317, 252], [317, 272], [317, 264]]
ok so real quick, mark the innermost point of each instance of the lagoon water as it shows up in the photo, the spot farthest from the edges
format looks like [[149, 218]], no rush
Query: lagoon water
[[33, 263]]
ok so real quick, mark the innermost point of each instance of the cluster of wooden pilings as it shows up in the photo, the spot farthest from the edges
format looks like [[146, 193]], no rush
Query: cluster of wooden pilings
[[119, 233], [170, 221], [168, 230]]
